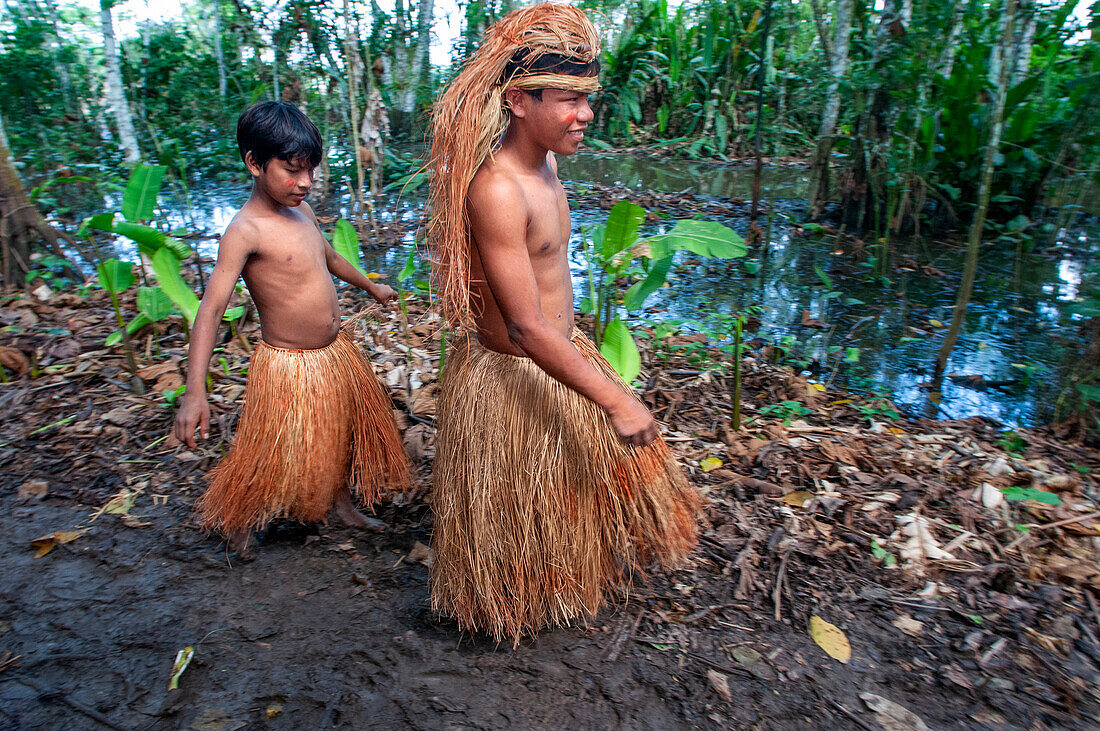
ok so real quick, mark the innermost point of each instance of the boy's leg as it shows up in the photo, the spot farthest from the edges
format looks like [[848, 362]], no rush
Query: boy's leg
[[350, 516], [238, 542]]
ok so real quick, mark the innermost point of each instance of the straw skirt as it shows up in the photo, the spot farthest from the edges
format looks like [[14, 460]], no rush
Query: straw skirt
[[314, 422], [540, 509]]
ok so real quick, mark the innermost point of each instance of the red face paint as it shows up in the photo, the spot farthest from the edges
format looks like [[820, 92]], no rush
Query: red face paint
[[290, 182]]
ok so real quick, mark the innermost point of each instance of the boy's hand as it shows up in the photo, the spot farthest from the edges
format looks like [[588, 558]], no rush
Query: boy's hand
[[633, 423], [194, 412], [383, 293]]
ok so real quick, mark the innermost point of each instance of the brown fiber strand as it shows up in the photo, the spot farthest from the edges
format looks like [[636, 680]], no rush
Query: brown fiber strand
[[313, 423], [540, 508], [468, 120]]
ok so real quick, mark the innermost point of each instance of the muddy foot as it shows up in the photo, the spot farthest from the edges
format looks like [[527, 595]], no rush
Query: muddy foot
[[350, 516], [238, 543]]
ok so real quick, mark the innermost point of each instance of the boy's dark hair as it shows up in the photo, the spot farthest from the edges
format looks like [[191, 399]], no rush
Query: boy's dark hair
[[278, 129], [547, 63]]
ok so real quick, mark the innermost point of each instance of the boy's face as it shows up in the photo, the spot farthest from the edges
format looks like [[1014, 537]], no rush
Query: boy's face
[[285, 181], [558, 121]]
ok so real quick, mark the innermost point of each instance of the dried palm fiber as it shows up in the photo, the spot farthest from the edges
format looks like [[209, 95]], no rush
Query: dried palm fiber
[[470, 116], [540, 508], [314, 422]]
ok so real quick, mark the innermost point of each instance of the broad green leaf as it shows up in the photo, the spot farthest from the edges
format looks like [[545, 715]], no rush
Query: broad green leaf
[[346, 242], [167, 268], [131, 327], [621, 352], [1017, 494], [622, 227], [153, 303], [233, 313], [851, 355], [115, 275], [98, 222], [823, 277], [140, 197], [704, 238], [410, 267], [150, 240], [1090, 392], [636, 296]]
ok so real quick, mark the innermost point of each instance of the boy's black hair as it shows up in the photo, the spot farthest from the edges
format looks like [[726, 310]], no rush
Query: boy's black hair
[[278, 129], [547, 63]]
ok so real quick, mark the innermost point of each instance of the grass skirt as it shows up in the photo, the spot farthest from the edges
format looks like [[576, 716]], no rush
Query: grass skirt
[[540, 508], [313, 423]]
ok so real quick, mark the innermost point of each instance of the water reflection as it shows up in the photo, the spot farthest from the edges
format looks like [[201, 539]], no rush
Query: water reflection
[[1019, 336]]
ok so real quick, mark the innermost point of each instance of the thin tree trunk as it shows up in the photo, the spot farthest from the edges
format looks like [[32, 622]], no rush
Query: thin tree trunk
[[977, 226], [21, 224], [219, 56], [116, 96], [837, 56], [351, 55], [762, 73]]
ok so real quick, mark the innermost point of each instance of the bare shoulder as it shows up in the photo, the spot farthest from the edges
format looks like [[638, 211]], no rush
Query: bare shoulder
[[243, 234], [495, 191], [552, 161], [306, 209]]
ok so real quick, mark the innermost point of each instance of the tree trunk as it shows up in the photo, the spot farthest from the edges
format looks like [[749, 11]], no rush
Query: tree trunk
[[351, 57], [116, 95], [21, 225], [837, 55], [219, 56], [977, 226], [762, 73]]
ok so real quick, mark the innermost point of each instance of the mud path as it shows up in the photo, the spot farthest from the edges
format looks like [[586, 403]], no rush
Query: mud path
[[331, 628]]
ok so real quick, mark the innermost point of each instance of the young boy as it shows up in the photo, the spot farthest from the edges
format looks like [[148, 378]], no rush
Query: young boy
[[551, 483], [316, 422]]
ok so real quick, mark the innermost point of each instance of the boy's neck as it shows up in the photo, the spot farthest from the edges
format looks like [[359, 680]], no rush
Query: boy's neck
[[528, 154], [262, 199]]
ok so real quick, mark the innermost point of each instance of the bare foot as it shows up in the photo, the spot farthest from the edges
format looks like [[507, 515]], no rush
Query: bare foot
[[350, 516], [238, 543]]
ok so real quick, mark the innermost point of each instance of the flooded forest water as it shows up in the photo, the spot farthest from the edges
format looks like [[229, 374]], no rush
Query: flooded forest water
[[851, 329]]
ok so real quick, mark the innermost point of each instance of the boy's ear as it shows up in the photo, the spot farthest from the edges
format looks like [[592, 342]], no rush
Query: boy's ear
[[516, 102], [250, 163]]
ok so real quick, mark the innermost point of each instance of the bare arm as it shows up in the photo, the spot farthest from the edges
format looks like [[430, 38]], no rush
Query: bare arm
[[498, 220], [194, 410], [345, 271]]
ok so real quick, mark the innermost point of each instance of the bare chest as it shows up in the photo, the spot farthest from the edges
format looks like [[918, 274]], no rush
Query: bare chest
[[548, 226]]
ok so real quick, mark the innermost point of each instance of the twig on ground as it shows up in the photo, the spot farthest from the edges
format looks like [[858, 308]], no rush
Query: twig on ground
[[777, 590], [45, 693]]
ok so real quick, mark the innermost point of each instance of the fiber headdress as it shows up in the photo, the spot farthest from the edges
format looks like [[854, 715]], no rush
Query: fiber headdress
[[470, 117]]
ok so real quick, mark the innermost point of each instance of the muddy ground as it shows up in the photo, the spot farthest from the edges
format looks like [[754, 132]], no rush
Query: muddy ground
[[330, 627]]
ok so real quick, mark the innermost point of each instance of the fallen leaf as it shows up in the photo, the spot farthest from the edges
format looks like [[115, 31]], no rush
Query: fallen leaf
[[721, 685], [46, 543], [183, 659], [935, 323], [798, 498], [422, 554], [273, 710], [831, 639], [891, 716], [132, 521], [908, 625], [119, 416], [710, 463], [14, 360], [32, 490], [153, 372]]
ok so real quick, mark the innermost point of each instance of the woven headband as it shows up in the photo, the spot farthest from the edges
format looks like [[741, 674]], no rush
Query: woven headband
[[586, 84]]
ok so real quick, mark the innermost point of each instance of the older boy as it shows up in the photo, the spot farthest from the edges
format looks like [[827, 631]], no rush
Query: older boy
[[551, 482], [316, 422]]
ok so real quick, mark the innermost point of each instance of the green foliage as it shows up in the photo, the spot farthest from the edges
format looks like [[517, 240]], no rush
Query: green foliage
[[115, 276], [346, 242], [140, 197], [786, 411], [1018, 494], [167, 268], [620, 350]]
